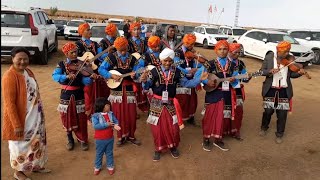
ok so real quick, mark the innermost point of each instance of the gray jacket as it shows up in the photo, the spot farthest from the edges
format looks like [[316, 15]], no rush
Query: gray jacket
[[266, 67]]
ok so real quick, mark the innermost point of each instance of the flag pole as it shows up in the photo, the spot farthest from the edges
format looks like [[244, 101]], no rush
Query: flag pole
[[220, 15]]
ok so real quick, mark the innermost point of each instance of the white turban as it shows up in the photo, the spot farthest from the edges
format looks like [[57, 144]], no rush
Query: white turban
[[165, 53]]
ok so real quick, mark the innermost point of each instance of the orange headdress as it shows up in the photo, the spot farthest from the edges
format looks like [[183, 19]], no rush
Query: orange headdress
[[221, 43], [234, 46], [111, 29], [189, 55], [82, 28], [133, 25], [283, 46], [68, 47], [153, 41], [189, 39], [120, 43]]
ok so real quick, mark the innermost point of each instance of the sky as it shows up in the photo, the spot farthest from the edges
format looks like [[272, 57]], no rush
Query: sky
[[286, 14]]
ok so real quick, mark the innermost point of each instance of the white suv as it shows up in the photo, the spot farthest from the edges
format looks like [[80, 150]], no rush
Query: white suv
[[208, 35], [233, 33], [309, 38], [31, 29], [258, 43], [71, 30]]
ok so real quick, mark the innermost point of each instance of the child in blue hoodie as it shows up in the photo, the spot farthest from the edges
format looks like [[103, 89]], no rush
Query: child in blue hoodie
[[103, 121]]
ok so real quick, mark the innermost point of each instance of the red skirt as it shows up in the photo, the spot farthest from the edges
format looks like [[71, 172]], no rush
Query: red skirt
[[165, 134], [126, 114], [193, 102], [213, 121], [76, 122], [142, 99], [188, 104]]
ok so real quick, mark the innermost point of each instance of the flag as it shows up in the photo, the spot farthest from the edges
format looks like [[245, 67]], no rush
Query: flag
[[215, 8], [210, 9], [222, 10]]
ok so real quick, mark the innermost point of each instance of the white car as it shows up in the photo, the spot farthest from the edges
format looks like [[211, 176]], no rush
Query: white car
[[309, 38], [258, 43], [208, 35], [71, 30], [98, 31], [31, 29], [233, 33]]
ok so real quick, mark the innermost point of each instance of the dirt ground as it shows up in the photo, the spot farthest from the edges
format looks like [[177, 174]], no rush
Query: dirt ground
[[298, 157]]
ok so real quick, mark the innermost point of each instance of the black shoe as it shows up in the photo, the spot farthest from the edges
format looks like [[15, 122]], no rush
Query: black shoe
[[206, 145], [122, 141], [191, 121], [156, 156], [84, 146], [135, 142], [221, 145], [70, 146], [175, 153]]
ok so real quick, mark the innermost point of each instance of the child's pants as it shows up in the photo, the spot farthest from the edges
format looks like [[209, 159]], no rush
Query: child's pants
[[104, 146]]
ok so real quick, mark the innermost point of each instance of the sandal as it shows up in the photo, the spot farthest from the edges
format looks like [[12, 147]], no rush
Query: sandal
[[19, 178], [43, 170]]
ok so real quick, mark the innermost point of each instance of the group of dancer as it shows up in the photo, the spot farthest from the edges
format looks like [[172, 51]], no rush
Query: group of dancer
[[163, 79]]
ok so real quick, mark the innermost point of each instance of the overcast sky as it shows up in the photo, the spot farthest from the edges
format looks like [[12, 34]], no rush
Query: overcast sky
[[289, 14]]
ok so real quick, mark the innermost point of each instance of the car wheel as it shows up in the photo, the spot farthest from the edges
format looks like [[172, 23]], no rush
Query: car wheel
[[241, 51], [205, 44], [55, 44], [316, 59], [43, 58], [66, 37]]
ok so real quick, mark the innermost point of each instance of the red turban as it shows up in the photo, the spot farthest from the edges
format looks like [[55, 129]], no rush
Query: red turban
[[111, 29], [120, 42], [283, 46], [221, 43], [133, 25], [82, 28], [153, 41], [68, 47], [234, 46], [189, 39]]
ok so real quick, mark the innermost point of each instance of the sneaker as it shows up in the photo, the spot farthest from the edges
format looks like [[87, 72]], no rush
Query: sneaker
[[237, 137], [191, 121], [279, 140], [174, 153], [70, 146], [206, 145], [84, 146], [135, 142], [156, 156], [111, 171], [122, 141], [262, 133], [96, 171], [221, 145]]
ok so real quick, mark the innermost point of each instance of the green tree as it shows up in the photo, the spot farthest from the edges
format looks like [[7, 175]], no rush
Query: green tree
[[53, 11]]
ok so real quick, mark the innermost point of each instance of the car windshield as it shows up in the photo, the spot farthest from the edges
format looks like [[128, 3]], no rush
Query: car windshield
[[315, 36], [239, 32], [120, 26], [75, 23], [212, 31], [98, 31], [188, 29], [282, 37], [60, 22], [88, 20], [14, 20]]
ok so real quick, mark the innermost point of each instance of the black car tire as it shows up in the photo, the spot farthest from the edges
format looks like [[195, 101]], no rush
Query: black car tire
[[205, 44], [316, 59], [43, 55], [55, 44], [241, 51], [66, 37]]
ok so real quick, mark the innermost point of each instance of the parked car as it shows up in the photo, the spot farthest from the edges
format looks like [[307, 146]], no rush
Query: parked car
[[89, 20], [120, 29], [98, 31], [116, 21], [309, 38], [258, 43], [31, 29], [60, 24], [71, 30], [233, 33], [149, 29], [186, 29], [208, 35], [160, 27]]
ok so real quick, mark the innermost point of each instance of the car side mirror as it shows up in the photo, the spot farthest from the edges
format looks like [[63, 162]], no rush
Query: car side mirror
[[265, 40], [308, 38], [49, 21]]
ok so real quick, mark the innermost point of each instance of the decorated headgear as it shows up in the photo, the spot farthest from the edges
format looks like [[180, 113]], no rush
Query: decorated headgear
[[165, 53], [68, 47], [120, 42], [82, 28], [221, 43], [153, 41], [133, 25], [283, 46], [234, 46], [111, 29], [189, 39]]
